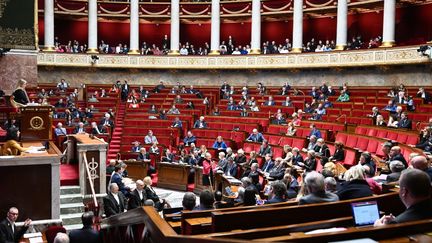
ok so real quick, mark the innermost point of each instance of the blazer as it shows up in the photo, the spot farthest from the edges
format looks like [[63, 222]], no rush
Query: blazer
[[339, 155], [419, 211], [111, 207], [310, 164], [267, 150], [189, 140], [393, 177], [6, 234], [96, 132], [135, 201], [110, 122], [76, 130], [354, 189], [275, 200], [145, 156], [20, 96], [231, 169], [268, 165], [86, 234], [256, 138], [177, 124], [400, 158], [318, 198], [200, 124], [116, 178], [151, 194], [405, 123]]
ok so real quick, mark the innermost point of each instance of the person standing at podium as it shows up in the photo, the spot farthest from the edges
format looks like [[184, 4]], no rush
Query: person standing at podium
[[20, 94], [208, 166]]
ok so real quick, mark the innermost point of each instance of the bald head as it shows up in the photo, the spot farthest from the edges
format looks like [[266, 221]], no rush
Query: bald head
[[420, 163]]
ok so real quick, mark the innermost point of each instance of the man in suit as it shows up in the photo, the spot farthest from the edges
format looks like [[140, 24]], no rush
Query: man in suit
[[8, 231], [375, 113], [268, 164], [314, 182], [278, 170], [201, 123], [287, 102], [86, 233], [270, 101], [96, 130], [224, 88], [255, 136], [420, 162], [106, 121], [404, 122], [396, 154], [426, 96], [231, 168], [115, 201], [415, 193], [125, 89], [137, 196], [136, 147], [190, 138], [60, 130], [277, 194], [265, 149], [79, 129], [314, 131], [177, 123], [117, 179], [396, 168], [314, 93]]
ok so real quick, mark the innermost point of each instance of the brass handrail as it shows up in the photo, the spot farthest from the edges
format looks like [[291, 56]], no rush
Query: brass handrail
[[90, 179]]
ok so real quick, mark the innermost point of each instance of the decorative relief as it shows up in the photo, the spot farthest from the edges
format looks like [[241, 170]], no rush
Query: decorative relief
[[340, 59]]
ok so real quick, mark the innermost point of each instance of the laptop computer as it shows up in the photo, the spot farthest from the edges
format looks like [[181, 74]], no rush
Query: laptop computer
[[365, 213]]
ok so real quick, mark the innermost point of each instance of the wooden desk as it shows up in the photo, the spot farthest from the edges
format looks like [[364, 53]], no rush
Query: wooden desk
[[198, 225], [137, 169], [173, 176]]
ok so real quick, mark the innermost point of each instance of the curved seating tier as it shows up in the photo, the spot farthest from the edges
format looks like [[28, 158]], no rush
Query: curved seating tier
[[301, 131], [401, 136]]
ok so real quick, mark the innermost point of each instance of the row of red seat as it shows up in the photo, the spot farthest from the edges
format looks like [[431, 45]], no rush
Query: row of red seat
[[301, 131], [236, 136], [403, 137]]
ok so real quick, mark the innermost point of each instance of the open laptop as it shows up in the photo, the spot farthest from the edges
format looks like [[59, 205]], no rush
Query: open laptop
[[365, 213]]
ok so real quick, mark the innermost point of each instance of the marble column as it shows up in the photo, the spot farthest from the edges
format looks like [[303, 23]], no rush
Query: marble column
[[134, 28], [341, 35], [49, 25], [92, 27], [175, 27], [298, 26], [256, 27], [215, 28], [389, 23]]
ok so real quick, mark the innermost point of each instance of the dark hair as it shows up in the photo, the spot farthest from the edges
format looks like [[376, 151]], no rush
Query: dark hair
[[87, 218], [189, 201], [249, 197], [206, 199], [117, 168], [327, 173], [279, 188], [218, 196], [12, 133]]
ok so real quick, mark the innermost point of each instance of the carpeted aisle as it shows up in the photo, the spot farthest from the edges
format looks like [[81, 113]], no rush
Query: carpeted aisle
[[69, 175]]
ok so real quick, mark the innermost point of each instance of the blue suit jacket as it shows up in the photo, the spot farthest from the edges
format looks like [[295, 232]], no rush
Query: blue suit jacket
[[315, 132], [256, 138]]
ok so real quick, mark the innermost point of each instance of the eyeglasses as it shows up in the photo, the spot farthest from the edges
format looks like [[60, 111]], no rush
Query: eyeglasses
[[13, 213]]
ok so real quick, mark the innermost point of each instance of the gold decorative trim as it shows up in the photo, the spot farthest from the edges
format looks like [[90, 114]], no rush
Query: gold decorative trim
[[49, 49], [340, 47], [255, 51], [388, 44], [174, 53], [92, 51], [134, 52], [297, 50], [339, 59], [17, 38], [3, 4], [214, 53]]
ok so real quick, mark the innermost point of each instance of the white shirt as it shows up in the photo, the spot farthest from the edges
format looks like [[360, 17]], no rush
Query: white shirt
[[116, 197]]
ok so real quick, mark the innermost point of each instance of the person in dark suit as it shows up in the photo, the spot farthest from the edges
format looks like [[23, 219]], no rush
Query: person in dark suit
[[151, 194], [339, 154], [240, 158], [137, 196], [278, 170], [421, 163], [96, 130], [396, 168], [415, 193], [315, 186], [115, 201], [310, 162], [396, 154], [190, 138], [322, 149], [268, 164], [297, 157], [265, 149], [255, 136], [404, 122], [231, 168], [426, 96], [86, 233], [106, 121], [201, 123], [277, 193], [20, 94], [79, 129], [355, 185], [117, 179], [8, 231], [125, 89], [168, 156], [177, 123], [159, 87], [375, 113]]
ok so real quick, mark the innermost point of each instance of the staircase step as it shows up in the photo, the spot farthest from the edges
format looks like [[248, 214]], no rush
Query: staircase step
[[69, 208], [71, 198], [65, 190], [71, 219]]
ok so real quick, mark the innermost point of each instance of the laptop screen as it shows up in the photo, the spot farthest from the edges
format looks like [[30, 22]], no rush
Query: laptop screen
[[365, 213]]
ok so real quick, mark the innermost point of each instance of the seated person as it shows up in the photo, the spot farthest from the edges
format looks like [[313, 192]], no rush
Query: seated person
[[291, 184], [355, 185], [278, 191], [201, 123], [60, 130], [96, 130], [136, 147], [255, 136], [322, 149], [168, 156], [310, 163], [415, 193], [177, 123], [339, 154], [151, 194], [111, 167], [265, 148], [291, 131], [12, 147], [143, 155], [80, 129], [190, 138], [189, 201], [153, 110], [240, 158], [154, 149], [314, 183], [404, 122], [173, 110], [396, 168], [206, 200], [150, 138], [314, 131], [343, 97], [219, 144], [278, 170], [231, 168]]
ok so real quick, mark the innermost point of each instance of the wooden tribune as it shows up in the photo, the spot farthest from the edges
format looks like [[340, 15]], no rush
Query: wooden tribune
[[173, 176], [36, 123]]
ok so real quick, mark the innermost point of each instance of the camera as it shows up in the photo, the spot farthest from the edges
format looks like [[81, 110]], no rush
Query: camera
[[425, 51]]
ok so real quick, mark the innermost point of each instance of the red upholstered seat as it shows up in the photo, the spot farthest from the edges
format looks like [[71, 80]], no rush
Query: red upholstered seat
[[351, 141], [372, 132], [392, 135], [381, 133], [372, 145], [402, 138], [362, 143], [350, 157]]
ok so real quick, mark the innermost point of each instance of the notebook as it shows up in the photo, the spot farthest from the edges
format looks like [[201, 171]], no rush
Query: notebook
[[365, 213]]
